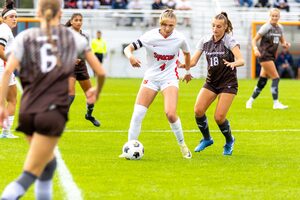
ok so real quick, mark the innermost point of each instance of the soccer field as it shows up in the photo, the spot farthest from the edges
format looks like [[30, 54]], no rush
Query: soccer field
[[265, 163]]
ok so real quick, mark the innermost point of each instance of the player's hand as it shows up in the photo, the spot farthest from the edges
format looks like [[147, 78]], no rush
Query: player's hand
[[91, 95], [229, 64], [286, 45], [257, 53], [187, 78], [3, 117], [77, 61], [134, 62]]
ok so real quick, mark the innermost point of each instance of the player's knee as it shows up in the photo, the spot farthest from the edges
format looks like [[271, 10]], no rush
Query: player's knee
[[199, 111], [262, 81], [172, 117], [220, 118]]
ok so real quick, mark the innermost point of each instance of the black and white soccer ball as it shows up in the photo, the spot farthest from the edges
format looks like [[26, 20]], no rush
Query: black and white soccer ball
[[133, 150]]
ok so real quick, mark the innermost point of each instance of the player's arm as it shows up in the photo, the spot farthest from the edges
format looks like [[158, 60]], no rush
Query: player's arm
[[128, 51], [239, 60], [98, 69], [11, 65], [2, 53], [254, 42], [187, 65], [195, 58]]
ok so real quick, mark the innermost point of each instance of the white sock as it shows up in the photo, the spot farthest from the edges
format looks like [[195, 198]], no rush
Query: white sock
[[13, 191], [138, 115], [276, 101], [9, 124], [251, 99], [177, 129], [43, 190]]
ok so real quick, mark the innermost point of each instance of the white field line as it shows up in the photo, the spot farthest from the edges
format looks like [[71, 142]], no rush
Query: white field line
[[70, 188], [185, 131]]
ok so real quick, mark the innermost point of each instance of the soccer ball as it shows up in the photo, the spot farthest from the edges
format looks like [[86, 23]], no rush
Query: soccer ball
[[133, 150]]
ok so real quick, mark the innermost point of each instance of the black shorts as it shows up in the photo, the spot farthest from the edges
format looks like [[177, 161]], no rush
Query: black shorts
[[265, 58], [80, 72], [49, 123], [99, 56], [221, 89]]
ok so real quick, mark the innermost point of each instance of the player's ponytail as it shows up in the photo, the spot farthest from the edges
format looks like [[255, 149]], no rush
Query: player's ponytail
[[49, 10], [224, 16]]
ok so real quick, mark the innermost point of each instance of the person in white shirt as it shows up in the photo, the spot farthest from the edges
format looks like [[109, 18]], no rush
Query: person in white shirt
[[163, 47], [9, 16]]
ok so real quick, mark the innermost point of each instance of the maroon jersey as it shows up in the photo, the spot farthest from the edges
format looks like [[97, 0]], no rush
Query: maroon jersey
[[44, 82], [219, 75], [268, 46]]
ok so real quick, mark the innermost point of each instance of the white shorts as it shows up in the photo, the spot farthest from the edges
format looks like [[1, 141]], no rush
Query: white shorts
[[160, 85], [12, 79]]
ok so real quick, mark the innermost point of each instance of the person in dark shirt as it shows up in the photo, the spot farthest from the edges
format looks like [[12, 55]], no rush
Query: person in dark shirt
[[80, 73], [223, 56], [270, 35], [45, 57], [284, 63]]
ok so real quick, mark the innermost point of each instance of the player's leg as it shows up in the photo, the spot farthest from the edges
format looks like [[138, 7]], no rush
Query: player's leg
[[144, 99], [170, 94], [11, 107], [271, 70], [224, 102], [39, 154], [203, 101], [85, 86], [262, 81], [72, 82]]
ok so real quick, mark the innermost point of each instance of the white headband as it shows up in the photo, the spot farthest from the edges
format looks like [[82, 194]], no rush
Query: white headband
[[10, 12]]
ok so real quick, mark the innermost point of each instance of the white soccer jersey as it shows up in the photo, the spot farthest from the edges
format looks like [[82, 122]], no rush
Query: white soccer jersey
[[6, 40], [162, 54]]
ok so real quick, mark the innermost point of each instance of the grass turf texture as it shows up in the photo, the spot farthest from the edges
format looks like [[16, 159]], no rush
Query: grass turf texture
[[264, 165]]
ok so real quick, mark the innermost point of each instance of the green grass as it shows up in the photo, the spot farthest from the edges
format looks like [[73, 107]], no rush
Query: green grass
[[265, 164]]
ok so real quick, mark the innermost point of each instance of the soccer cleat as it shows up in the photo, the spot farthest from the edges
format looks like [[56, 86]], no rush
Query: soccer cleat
[[228, 148], [203, 144], [8, 134], [249, 104], [186, 153], [279, 105], [93, 120]]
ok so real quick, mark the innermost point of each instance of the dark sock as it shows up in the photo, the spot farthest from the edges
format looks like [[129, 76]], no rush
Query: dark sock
[[274, 88], [203, 126], [90, 108], [226, 131], [49, 170], [262, 81], [26, 179]]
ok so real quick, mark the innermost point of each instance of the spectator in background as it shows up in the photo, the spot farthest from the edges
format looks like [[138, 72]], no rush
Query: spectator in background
[[105, 2], [88, 4], [99, 47], [119, 4], [135, 5], [282, 4], [171, 4], [285, 62], [184, 5], [70, 4], [249, 2], [157, 5], [262, 3]]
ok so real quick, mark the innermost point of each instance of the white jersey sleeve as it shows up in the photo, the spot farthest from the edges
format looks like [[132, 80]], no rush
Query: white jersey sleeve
[[18, 46], [82, 44], [230, 42]]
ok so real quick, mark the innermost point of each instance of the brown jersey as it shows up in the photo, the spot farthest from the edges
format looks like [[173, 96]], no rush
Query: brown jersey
[[219, 75], [45, 83], [271, 35]]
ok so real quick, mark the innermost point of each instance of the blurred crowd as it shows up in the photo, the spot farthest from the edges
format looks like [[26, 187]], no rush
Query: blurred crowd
[[280, 4]]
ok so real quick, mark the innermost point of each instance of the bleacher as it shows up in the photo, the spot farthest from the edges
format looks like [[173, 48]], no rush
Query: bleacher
[[201, 16]]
